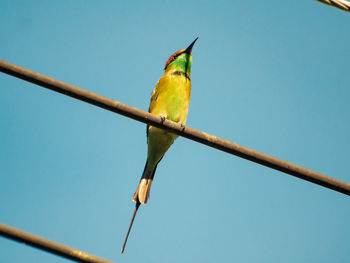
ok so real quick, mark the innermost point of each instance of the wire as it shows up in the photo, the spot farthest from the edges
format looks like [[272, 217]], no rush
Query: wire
[[341, 4], [49, 246], [174, 127]]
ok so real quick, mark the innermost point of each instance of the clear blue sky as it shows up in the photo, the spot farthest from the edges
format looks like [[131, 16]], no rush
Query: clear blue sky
[[269, 75]]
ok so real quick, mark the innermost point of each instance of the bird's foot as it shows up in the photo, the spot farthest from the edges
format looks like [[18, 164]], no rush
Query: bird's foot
[[183, 126], [162, 119]]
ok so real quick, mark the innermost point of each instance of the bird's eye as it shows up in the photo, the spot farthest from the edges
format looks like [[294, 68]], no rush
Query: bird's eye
[[175, 57]]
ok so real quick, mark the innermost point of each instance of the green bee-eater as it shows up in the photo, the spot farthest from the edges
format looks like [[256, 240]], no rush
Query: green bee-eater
[[170, 99]]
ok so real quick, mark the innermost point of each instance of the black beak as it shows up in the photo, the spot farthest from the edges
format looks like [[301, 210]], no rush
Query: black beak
[[189, 49]]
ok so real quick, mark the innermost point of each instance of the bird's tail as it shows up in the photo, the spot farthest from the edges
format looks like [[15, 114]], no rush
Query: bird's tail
[[143, 190], [141, 195]]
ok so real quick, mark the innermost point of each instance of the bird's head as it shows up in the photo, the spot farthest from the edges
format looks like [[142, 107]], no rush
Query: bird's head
[[181, 60]]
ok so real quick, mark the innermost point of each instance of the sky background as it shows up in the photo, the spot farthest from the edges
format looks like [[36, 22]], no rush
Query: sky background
[[269, 75]]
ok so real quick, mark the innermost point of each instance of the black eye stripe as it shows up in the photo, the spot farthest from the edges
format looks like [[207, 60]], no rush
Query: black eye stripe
[[178, 55]]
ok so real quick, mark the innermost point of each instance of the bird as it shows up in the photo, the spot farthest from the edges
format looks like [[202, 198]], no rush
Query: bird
[[170, 100]]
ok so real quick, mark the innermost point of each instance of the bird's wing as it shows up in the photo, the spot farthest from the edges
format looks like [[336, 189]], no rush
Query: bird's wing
[[155, 95], [152, 104]]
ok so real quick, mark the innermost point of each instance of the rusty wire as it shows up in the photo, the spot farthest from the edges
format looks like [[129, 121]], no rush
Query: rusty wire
[[174, 127], [341, 4], [49, 246]]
